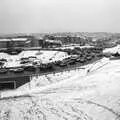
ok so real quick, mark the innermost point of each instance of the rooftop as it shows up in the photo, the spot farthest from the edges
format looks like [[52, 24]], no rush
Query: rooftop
[[14, 39]]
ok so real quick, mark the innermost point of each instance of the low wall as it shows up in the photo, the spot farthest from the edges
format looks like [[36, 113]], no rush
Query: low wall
[[13, 82]]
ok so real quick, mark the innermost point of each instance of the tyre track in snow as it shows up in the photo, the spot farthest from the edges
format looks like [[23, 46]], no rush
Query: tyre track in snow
[[89, 102], [60, 112], [43, 107]]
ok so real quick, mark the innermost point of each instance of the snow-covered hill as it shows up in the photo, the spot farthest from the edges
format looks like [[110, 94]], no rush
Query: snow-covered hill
[[90, 96]]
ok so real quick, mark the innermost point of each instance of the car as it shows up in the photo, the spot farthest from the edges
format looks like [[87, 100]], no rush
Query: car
[[43, 66], [57, 62], [116, 54], [16, 70], [50, 59], [3, 70], [36, 62], [2, 63], [82, 60], [71, 62], [13, 51], [62, 64], [114, 58], [47, 67], [89, 57], [24, 58], [24, 61], [3, 60], [78, 59], [74, 58], [32, 57], [50, 66], [30, 68]]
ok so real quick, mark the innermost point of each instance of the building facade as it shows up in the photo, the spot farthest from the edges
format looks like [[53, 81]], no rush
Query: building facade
[[14, 42]]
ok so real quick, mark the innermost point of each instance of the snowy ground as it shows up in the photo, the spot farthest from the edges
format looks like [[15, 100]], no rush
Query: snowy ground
[[94, 95], [43, 56], [112, 50], [51, 56]]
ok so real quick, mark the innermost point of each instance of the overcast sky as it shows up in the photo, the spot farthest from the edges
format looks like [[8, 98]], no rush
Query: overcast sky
[[34, 16]]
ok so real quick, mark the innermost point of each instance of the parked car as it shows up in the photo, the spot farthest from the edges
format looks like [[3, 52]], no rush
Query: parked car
[[24, 58], [29, 68], [36, 63], [24, 62], [82, 60], [1, 64], [50, 66], [62, 64], [16, 70], [71, 62], [32, 57], [3, 70], [3, 60], [13, 51], [116, 54], [78, 59], [73, 57], [58, 62], [43, 66], [89, 57]]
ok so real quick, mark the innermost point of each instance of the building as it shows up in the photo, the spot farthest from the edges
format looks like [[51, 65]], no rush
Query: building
[[20, 42], [14, 42], [37, 42], [3, 43], [52, 43]]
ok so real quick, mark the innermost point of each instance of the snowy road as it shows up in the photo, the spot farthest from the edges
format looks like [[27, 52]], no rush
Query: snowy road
[[92, 97]]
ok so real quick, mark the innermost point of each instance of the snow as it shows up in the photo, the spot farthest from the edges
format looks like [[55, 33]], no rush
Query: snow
[[51, 56], [43, 56], [112, 50], [71, 95], [72, 46], [98, 64]]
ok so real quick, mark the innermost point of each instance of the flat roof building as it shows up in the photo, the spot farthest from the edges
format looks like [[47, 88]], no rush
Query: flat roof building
[[14, 42]]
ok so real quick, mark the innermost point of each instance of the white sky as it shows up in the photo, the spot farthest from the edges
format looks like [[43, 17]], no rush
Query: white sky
[[30, 16]]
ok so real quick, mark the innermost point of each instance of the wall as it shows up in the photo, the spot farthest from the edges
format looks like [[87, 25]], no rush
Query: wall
[[11, 82]]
